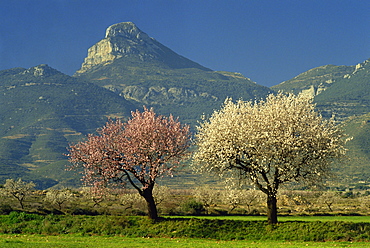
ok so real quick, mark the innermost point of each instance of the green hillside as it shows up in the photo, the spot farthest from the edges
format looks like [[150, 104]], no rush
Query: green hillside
[[342, 91], [316, 80], [42, 111], [348, 96], [355, 169]]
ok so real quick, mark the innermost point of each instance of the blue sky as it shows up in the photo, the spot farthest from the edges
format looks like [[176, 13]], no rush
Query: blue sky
[[268, 41]]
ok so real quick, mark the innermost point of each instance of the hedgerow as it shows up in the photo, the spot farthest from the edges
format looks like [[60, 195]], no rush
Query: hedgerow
[[135, 226]]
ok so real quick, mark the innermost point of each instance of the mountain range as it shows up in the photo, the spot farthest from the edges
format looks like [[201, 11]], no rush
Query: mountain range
[[43, 110]]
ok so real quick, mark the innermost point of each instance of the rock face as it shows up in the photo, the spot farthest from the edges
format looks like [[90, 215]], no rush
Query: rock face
[[127, 40], [359, 68], [161, 95]]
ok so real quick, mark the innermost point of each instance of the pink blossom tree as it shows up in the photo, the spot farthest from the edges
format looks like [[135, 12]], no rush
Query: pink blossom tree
[[136, 152]]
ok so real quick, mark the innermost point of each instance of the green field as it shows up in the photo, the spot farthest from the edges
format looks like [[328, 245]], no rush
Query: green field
[[20, 229], [40, 241]]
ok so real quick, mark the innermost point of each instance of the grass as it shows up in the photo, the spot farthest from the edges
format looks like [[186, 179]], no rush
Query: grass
[[71, 241], [216, 228], [31, 230]]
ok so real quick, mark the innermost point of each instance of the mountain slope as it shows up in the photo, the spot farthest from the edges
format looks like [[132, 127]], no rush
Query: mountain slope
[[42, 111], [143, 71], [356, 169], [349, 96], [314, 81], [342, 91]]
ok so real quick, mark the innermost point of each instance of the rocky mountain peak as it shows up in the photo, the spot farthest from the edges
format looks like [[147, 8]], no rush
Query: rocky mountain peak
[[126, 30], [42, 70], [124, 40]]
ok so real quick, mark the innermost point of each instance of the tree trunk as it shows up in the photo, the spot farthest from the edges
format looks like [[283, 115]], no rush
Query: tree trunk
[[152, 208], [271, 209], [21, 203], [20, 200]]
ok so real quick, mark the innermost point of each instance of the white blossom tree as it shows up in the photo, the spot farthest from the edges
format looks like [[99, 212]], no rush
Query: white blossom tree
[[269, 142], [207, 196], [130, 200], [161, 193], [328, 198], [18, 189], [58, 197]]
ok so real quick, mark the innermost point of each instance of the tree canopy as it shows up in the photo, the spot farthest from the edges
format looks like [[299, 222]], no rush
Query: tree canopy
[[269, 142], [138, 152]]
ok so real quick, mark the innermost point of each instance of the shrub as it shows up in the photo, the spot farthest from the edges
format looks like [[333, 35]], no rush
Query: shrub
[[5, 209], [84, 211], [192, 207]]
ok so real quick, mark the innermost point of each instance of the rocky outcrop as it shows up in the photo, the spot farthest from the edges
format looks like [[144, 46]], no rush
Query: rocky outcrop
[[160, 95], [42, 70], [128, 31], [313, 82], [122, 39], [314, 90], [360, 67], [99, 54]]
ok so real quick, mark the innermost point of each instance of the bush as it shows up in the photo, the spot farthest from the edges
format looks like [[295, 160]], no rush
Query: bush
[[5, 209], [19, 217], [192, 207], [348, 194], [84, 211]]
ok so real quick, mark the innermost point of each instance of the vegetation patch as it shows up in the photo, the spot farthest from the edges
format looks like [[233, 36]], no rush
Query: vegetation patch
[[217, 229]]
